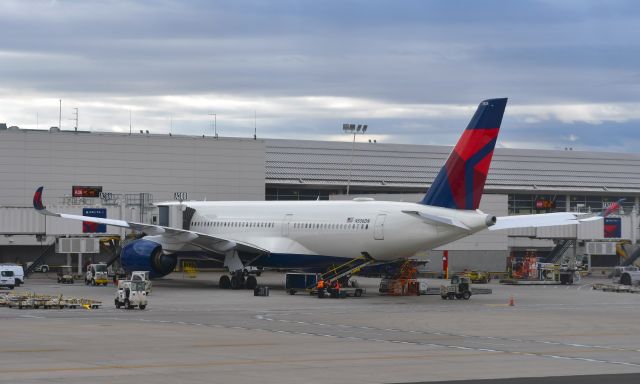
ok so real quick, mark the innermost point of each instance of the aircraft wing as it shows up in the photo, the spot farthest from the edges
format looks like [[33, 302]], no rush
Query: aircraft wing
[[540, 220], [169, 235]]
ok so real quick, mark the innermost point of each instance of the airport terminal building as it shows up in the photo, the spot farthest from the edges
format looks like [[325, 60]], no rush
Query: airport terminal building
[[121, 176]]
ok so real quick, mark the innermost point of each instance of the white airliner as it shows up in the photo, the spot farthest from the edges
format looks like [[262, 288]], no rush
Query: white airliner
[[316, 234]]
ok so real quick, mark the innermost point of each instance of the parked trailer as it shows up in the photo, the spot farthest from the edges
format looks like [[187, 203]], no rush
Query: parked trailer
[[295, 282]]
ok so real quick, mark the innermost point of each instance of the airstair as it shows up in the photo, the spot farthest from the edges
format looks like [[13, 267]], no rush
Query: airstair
[[113, 249], [49, 251], [347, 269], [632, 259], [559, 250]]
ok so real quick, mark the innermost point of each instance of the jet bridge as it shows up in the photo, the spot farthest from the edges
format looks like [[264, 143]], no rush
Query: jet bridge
[[175, 216]]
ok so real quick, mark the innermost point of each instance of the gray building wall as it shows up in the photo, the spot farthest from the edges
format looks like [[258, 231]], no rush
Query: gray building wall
[[205, 168]]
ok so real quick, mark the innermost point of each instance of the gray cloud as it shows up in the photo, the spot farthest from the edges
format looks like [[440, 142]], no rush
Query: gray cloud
[[109, 57]]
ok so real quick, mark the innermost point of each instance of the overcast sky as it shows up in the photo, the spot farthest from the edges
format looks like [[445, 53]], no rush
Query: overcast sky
[[413, 70]]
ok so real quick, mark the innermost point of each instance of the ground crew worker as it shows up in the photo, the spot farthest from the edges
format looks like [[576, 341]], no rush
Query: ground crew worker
[[335, 289], [320, 287]]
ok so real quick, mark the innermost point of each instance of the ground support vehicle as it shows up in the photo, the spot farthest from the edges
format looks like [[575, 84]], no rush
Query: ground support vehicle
[[295, 282], [478, 277], [7, 279], [144, 277], [460, 288], [403, 287], [117, 274], [44, 268], [626, 275], [65, 274], [606, 287], [30, 300], [353, 289], [131, 294], [344, 292], [96, 274]]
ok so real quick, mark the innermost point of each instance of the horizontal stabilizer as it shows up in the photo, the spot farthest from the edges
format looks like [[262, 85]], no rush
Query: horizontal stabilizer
[[539, 220]]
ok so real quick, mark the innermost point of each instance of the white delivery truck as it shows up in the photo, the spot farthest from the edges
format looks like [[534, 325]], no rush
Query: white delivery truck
[[18, 272], [7, 279]]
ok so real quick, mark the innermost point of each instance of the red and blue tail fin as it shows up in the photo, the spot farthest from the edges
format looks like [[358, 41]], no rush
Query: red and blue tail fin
[[460, 183]]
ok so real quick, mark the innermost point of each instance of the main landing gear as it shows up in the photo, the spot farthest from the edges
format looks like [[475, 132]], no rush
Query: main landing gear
[[238, 280], [241, 276]]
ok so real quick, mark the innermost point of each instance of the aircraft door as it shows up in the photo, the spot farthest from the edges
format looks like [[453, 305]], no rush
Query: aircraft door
[[285, 224], [378, 229]]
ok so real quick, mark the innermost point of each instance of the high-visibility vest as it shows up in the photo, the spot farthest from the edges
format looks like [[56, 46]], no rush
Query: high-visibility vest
[[320, 284]]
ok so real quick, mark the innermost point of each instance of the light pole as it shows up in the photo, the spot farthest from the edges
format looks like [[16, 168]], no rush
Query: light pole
[[353, 129], [215, 124]]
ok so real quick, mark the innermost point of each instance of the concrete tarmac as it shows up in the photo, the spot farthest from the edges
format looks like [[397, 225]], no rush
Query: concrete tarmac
[[192, 332]]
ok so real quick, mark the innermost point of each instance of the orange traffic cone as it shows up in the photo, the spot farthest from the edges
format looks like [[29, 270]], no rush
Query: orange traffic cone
[[512, 301]]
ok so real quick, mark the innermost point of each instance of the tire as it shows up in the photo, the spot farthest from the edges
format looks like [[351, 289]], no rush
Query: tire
[[237, 282], [251, 282], [292, 292], [225, 282], [45, 269], [444, 297], [625, 279], [117, 304], [466, 295], [127, 304], [358, 293], [11, 286], [451, 296], [142, 307]]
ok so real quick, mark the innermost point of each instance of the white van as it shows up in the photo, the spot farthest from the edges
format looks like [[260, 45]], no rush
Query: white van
[[18, 272], [7, 279]]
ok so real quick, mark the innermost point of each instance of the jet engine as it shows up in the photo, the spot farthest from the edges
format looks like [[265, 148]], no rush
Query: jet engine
[[146, 255]]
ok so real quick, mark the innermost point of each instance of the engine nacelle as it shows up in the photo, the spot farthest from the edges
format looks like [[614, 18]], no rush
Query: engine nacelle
[[146, 255]]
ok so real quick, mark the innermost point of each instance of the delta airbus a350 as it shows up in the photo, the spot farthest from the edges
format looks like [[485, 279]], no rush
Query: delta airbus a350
[[317, 234]]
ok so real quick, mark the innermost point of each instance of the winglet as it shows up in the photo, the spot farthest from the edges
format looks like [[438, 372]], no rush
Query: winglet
[[37, 200]]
